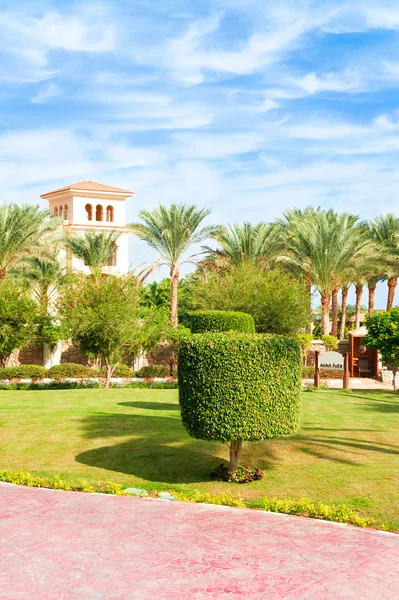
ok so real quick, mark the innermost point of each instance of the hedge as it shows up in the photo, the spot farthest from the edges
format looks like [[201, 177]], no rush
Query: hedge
[[221, 320], [120, 371], [23, 372], [234, 386], [308, 373], [153, 371], [71, 370]]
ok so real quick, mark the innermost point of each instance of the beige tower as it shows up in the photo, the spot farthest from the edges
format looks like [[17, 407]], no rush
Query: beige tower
[[91, 206]]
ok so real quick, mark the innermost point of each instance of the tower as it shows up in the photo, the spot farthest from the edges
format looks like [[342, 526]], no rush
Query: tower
[[91, 206]]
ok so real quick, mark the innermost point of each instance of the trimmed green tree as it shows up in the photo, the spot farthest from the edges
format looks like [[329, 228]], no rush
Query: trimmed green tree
[[221, 320], [236, 387], [107, 321], [383, 334], [18, 315]]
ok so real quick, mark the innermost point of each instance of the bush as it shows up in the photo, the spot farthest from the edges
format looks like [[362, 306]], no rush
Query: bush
[[153, 371], [330, 342], [221, 320], [71, 370], [308, 373], [235, 387], [120, 371], [240, 475], [23, 372]]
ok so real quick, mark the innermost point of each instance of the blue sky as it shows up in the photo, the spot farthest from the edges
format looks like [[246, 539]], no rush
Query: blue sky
[[243, 106]]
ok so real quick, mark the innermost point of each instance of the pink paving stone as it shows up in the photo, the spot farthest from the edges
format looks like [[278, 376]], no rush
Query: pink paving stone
[[57, 545]]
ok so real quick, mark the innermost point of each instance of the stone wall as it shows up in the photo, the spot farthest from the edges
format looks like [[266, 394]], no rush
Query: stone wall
[[72, 354], [31, 355]]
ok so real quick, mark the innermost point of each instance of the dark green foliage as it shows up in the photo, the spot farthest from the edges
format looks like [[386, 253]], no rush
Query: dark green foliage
[[221, 320], [73, 370], [48, 331], [81, 385], [383, 334], [153, 371], [23, 372], [234, 386]]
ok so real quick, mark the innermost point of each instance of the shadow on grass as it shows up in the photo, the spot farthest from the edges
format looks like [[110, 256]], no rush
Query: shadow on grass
[[151, 405], [159, 449], [383, 406]]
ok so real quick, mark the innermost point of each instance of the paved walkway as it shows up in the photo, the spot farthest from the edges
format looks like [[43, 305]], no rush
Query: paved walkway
[[58, 545]]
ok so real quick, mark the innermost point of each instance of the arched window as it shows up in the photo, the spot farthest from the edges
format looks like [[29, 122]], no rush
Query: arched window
[[60, 211], [66, 212], [109, 214], [99, 212], [112, 260], [89, 212], [56, 212]]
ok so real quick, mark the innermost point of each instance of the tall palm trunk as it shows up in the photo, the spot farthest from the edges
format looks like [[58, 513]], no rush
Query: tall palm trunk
[[308, 285], [174, 283], [372, 288], [392, 281], [334, 307], [359, 292], [3, 273], [325, 315], [344, 303]]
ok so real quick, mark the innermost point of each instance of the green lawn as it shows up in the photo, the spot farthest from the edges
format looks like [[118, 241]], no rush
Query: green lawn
[[347, 450]]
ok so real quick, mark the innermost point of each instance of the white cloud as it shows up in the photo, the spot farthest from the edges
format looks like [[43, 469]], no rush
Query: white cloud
[[45, 93]]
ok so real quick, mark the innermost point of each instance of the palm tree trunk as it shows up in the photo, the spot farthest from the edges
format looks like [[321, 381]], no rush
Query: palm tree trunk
[[3, 272], [308, 284], [325, 315], [174, 284], [392, 281], [359, 292], [344, 303], [372, 288], [334, 307]]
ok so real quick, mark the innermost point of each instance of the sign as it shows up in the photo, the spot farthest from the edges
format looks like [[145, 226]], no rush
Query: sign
[[332, 360]]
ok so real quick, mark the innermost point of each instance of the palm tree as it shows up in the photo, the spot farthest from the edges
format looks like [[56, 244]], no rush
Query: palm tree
[[25, 231], [171, 231], [246, 242], [344, 304], [324, 246], [384, 230], [45, 277], [94, 249]]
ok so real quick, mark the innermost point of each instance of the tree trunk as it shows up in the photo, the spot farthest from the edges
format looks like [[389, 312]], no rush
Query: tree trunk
[[343, 313], [334, 306], [174, 283], [392, 281], [3, 272], [235, 454], [372, 288], [308, 284], [108, 375], [394, 370], [359, 292], [325, 315]]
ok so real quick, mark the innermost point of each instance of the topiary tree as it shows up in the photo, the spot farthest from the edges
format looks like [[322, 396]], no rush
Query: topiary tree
[[221, 320], [235, 387], [383, 334], [305, 342]]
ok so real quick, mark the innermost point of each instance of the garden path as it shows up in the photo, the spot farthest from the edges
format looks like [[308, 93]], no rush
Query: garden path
[[57, 545]]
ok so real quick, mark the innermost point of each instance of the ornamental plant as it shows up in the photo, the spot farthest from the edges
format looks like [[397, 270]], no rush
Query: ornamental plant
[[383, 334], [221, 320], [236, 387], [330, 342]]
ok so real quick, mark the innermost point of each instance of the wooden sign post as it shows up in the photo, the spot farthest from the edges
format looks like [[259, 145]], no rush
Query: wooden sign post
[[316, 370], [345, 383]]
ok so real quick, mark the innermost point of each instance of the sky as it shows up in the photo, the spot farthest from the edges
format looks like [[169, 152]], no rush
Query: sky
[[248, 108]]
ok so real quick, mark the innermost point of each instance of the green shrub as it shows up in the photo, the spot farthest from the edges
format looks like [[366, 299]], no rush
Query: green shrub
[[221, 320], [153, 371], [308, 373], [330, 342], [23, 372], [71, 370], [120, 371], [235, 387]]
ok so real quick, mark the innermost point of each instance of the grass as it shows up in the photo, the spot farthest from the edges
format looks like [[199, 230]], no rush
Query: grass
[[346, 452]]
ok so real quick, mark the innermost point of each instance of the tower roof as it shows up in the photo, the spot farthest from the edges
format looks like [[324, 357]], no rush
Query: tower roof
[[89, 186]]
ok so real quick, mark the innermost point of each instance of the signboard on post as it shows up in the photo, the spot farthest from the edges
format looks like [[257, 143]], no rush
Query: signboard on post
[[333, 361]]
